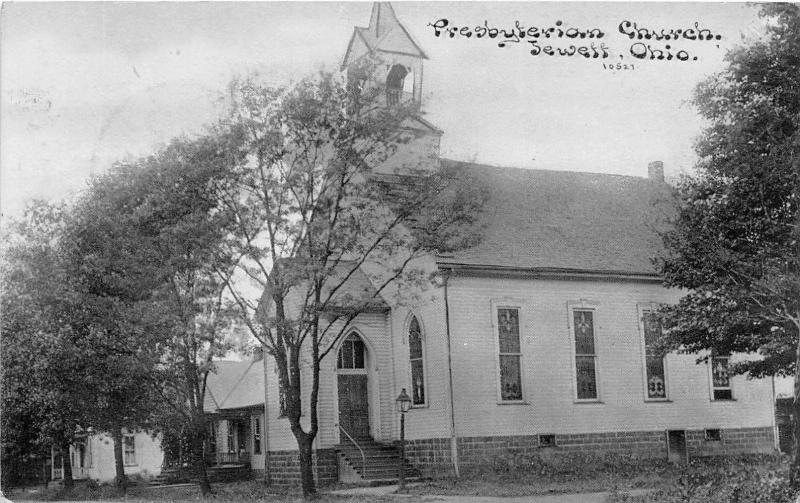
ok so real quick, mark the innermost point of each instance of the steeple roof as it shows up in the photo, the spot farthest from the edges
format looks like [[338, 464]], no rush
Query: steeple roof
[[385, 33]]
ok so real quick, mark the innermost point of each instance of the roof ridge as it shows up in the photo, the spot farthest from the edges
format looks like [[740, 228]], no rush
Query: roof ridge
[[519, 168]]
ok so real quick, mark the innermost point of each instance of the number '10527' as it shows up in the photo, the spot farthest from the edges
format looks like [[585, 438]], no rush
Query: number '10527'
[[619, 66]]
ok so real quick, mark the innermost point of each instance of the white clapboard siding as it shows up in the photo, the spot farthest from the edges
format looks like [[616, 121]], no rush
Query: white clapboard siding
[[548, 364]]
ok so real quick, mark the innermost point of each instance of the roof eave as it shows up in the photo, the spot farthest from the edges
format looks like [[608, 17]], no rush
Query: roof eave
[[494, 270]]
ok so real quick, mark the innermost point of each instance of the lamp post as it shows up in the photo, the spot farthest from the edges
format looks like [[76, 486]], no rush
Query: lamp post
[[403, 404]]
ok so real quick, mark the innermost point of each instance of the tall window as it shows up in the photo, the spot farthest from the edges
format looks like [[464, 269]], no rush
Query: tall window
[[256, 435], [129, 449], [351, 354], [415, 355], [656, 378], [720, 378], [585, 354], [510, 354]]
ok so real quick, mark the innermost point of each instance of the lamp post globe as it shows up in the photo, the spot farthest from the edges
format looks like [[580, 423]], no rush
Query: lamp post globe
[[403, 402]]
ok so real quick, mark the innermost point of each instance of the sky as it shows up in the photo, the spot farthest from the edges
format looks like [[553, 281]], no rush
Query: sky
[[87, 84]]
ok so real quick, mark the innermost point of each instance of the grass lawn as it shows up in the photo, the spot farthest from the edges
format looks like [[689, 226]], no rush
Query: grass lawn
[[751, 479], [223, 492], [532, 476]]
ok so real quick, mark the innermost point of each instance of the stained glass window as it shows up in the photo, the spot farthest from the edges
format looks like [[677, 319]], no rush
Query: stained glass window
[[585, 356], [720, 378], [415, 354], [256, 435], [510, 354], [654, 358]]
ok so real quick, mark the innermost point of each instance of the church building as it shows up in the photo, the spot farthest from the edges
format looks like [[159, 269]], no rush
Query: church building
[[538, 340]]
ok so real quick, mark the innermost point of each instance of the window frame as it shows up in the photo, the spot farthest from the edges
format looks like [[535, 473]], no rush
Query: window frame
[[212, 435], [642, 311], [81, 453], [546, 444], [713, 388], [125, 460], [424, 358], [584, 305], [256, 429], [230, 436], [519, 305]]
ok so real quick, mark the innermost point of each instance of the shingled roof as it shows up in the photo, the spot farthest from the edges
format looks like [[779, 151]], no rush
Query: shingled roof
[[541, 220], [235, 385]]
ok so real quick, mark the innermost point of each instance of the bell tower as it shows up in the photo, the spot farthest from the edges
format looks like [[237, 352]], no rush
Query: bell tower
[[395, 62], [397, 56]]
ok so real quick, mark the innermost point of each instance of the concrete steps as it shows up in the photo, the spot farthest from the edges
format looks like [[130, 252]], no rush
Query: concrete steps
[[380, 463], [215, 474]]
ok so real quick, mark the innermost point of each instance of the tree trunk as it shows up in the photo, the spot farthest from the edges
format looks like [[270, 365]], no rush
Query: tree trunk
[[307, 466], [120, 480], [45, 472], [794, 471], [68, 481], [198, 455]]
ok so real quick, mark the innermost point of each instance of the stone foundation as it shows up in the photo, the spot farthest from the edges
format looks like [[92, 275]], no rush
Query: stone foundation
[[432, 456], [732, 441], [284, 467]]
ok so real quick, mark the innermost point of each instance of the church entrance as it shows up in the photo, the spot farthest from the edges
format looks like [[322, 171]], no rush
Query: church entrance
[[353, 387]]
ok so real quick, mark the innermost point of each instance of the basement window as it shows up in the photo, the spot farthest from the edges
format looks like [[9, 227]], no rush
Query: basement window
[[547, 440]]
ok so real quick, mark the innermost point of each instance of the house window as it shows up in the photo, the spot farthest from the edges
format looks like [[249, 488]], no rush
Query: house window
[[351, 354], [129, 449], [241, 436], [212, 436], [82, 454], [416, 357], [585, 354], [256, 435], [655, 374], [510, 354], [713, 435], [720, 378], [231, 437]]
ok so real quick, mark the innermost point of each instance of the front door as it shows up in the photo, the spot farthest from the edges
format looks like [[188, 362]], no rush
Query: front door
[[353, 405]]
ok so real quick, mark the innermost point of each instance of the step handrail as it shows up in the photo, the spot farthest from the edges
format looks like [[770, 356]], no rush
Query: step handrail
[[363, 457]]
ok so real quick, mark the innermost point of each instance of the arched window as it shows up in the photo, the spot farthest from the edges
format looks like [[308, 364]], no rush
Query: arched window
[[351, 354], [416, 355], [394, 84]]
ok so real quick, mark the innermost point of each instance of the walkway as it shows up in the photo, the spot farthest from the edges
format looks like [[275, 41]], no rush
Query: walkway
[[599, 497]]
